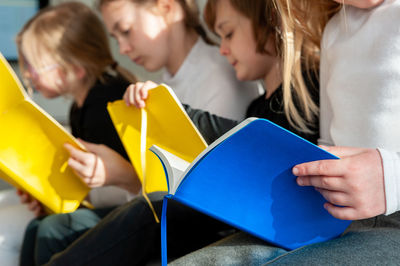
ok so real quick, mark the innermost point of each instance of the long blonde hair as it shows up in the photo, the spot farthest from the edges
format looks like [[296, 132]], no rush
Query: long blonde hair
[[297, 45], [70, 34], [302, 24]]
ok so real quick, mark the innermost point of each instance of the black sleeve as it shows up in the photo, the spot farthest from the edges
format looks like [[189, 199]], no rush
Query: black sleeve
[[98, 128], [209, 125]]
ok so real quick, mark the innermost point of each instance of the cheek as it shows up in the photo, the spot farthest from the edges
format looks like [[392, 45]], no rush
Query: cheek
[[155, 61], [254, 67], [51, 83], [152, 26]]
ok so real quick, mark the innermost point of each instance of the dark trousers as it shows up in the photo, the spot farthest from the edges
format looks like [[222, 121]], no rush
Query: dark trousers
[[129, 235], [51, 234]]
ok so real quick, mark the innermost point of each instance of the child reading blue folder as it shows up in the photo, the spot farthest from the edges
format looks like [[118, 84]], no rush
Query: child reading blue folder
[[245, 179]]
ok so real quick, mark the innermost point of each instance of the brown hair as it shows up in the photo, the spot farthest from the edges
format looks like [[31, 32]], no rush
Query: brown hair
[[189, 7], [72, 35], [297, 43], [261, 14]]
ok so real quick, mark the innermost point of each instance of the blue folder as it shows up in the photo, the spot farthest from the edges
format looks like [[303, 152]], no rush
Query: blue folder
[[246, 181]]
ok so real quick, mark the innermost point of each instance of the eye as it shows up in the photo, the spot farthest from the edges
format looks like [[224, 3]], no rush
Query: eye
[[126, 32], [228, 36], [124, 29]]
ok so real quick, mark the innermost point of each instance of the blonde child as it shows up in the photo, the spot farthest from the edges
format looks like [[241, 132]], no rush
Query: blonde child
[[64, 51], [359, 96]]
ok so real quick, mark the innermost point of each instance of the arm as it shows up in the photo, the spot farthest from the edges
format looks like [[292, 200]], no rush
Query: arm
[[209, 125], [102, 166], [97, 127]]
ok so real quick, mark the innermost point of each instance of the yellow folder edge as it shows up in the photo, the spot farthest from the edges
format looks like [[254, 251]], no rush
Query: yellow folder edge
[[32, 156]]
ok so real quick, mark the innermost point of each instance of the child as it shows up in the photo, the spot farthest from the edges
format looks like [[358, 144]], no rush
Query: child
[[359, 99], [252, 42], [64, 51], [167, 34]]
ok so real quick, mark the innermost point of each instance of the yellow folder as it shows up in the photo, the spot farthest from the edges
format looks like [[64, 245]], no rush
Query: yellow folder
[[32, 156], [168, 126]]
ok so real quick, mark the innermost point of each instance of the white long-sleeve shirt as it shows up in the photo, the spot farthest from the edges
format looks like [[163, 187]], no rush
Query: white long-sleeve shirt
[[360, 86], [207, 81]]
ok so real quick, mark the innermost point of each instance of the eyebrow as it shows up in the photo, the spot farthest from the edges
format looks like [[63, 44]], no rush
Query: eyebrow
[[221, 25], [115, 27]]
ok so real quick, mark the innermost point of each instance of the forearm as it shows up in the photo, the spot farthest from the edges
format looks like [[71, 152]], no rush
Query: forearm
[[209, 125], [129, 181]]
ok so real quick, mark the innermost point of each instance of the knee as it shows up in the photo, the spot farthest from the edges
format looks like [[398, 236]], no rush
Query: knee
[[52, 224]]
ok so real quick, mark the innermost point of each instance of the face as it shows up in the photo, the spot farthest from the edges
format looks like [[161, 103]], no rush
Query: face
[[238, 44], [47, 80], [360, 3], [141, 32]]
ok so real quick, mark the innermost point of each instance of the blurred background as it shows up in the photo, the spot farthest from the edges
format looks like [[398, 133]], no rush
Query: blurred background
[[14, 14]]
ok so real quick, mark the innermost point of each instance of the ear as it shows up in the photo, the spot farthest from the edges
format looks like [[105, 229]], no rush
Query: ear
[[80, 72], [165, 7]]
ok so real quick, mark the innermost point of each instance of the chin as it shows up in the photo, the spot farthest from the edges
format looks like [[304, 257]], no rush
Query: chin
[[49, 95], [151, 68], [242, 77]]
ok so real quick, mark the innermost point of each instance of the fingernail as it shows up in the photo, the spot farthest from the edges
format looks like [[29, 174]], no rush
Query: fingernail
[[295, 171], [299, 181]]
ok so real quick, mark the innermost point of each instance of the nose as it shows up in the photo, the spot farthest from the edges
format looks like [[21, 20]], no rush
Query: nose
[[124, 47], [224, 49]]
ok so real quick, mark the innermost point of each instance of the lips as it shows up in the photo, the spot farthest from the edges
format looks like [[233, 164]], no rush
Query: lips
[[137, 60]]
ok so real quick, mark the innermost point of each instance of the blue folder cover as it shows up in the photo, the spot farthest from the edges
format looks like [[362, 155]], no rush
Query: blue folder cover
[[247, 182]]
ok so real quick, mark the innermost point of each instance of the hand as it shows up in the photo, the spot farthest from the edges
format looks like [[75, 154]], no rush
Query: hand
[[33, 204], [352, 185], [137, 93], [102, 166]]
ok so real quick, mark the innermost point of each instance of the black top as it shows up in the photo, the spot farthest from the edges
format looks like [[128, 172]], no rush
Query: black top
[[92, 122], [212, 126]]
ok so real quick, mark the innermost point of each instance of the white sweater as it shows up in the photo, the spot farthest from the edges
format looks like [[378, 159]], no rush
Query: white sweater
[[360, 86], [207, 81]]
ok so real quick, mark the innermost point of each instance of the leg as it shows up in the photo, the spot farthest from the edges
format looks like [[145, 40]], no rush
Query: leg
[[374, 241], [56, 232], [238, 249], [371, 247], [130, 236], [27, 255]]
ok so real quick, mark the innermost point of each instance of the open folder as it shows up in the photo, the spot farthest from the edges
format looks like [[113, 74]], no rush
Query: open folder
[[163, 122], [32, 156]]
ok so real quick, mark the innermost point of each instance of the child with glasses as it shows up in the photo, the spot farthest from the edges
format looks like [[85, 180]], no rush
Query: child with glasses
[[64, 51]]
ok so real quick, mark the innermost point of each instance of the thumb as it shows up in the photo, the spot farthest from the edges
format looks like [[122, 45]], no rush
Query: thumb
[[90, 147]]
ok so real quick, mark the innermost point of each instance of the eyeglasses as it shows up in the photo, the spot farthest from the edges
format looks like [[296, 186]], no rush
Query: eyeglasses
[[34, 73]]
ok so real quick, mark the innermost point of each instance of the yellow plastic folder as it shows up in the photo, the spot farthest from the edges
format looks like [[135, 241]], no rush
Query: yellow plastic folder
[[168, 126], [32, 156]]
